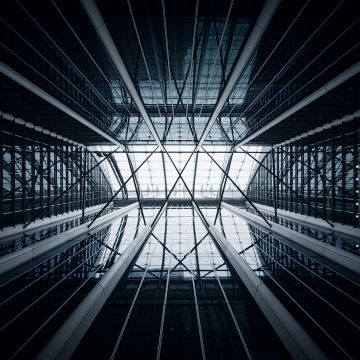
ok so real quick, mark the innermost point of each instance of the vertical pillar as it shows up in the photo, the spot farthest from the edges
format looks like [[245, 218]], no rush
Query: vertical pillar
[[356, 179], [295, 206], [333, 172], [83, 196], [291, 178], [12, 177], [66, 339], [308, 165], [48, 146], [23, 176], [41, 173], [316, 175], [324, 184], [274, 185], [32, 161], [55, 170], [302, 165], [2, 149], [299, 344]]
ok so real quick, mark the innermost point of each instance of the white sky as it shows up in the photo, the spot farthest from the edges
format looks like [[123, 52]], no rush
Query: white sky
[[208, 175]]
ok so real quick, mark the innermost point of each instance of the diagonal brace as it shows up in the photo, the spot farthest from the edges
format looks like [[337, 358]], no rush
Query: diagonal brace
[[68, 188], [121, 187], [237, 187], [286, 185]]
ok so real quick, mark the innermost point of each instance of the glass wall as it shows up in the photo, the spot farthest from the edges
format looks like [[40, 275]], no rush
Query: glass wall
[[315, 175], [180, 301], [36, 168], [37, 297], [317, 292]]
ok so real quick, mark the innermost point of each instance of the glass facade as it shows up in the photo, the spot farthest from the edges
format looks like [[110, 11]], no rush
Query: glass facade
[[37, 168], [316, 175], [182, 300], [179, 179]]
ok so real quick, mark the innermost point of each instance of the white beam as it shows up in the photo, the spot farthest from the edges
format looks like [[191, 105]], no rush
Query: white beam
[[344, 258], [338, 122], [66, 339], [31, 252], [13, 232], [345, 231], [257, 32], [29, 125], [98, 22], [27, 84], [338, 80], [299, 344]]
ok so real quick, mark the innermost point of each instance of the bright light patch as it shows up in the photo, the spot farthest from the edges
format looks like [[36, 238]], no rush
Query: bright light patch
[[202, 175]]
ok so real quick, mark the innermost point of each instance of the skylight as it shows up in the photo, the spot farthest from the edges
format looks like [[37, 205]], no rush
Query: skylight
[[202, 175]]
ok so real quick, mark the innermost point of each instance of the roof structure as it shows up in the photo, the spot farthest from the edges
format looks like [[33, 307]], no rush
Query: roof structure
[[191, 165]]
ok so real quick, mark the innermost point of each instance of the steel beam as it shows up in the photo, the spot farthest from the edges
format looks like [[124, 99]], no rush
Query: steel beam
[[11, 261], [164, 170], [192, 130], [12, 232], [195, 172], [343, 258], [66, 190], [275, 185], [223, 185], [237, 187], [122, 186], [257, 32], [83, 184], [338, 80], [299, 344], [180, 262], [157, 62], [66, 339], [279, 178], [345, 231], [194, 248], [100, 27], [27, 84], [136, 184], [118, 175]]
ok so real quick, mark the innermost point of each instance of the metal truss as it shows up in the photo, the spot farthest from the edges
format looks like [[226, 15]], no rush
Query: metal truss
[[278, 179], [317, 175], [254, 38], [42, 175], [223, 184], [121, 187], [237, 187], [115, 168], [136, 184]]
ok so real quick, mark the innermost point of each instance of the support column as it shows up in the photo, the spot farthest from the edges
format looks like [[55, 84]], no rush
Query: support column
[[345, 259], [11, 261], [66, 339], [299, 344]]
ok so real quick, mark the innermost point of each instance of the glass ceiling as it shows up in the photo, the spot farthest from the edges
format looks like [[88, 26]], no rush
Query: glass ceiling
[[202, 175], [178, 237]]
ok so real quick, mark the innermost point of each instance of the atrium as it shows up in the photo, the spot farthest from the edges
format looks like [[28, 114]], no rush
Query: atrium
[[179, 179]]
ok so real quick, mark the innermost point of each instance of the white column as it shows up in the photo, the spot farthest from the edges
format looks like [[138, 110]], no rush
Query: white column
[[67, 338], [344, 258], [298, 343], [10, 261]]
